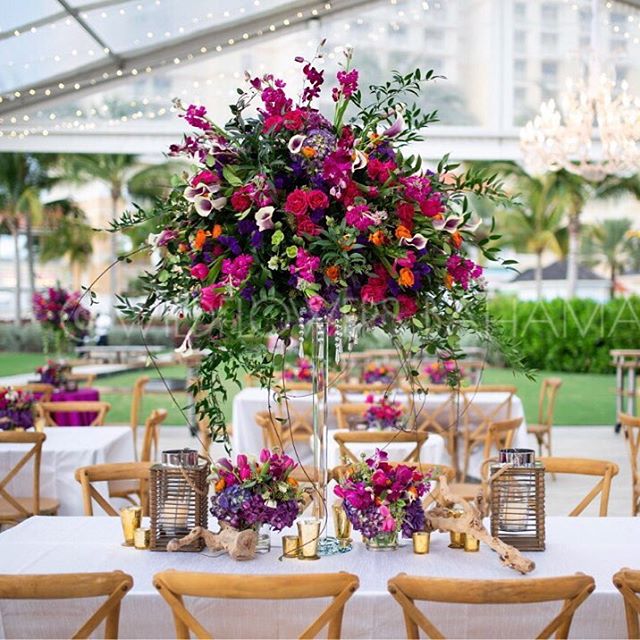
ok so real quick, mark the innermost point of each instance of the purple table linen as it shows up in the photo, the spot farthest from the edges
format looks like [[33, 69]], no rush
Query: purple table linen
[[75, 418]]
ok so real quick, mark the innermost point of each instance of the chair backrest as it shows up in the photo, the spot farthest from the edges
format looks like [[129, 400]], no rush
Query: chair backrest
[[156, 417], [173, 585], [347, 389], [573, 590], [59, 586], [280, 432], [43, 389], [434, 417], [604, 469], [98, 409], [475, 414], [86, 476], [86, 378], [627, 582], [631, 426], [35, 452], [348, 416], [345, 438], [137, 394], [500, 435], [547, 400]]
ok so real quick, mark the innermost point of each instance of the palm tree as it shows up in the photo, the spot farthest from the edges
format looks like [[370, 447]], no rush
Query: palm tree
[[123, 175], [609, 242]]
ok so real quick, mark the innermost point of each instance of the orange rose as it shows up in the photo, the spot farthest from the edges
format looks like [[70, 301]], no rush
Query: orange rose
[[402, 232], [333, 273], [220, 485], [201, 238], [308, 152], [448, 281], [406, 278], [217, 231], [456, 239], [183, 248], [292, 481], [378, 238]]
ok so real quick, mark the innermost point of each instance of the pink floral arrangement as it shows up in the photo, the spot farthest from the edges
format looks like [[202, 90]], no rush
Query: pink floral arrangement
[[16, 409], [288, 214], [442, 372], [378, 373], [382, 498], [53, 373], [383, 413], [301, 373]]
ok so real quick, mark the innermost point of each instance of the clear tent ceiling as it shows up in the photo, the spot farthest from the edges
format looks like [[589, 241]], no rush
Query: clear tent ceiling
[[115, 65]]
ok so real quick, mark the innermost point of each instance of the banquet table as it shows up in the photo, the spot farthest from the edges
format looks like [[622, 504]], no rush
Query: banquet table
[[63, 452], [248, 437], [595, 546]]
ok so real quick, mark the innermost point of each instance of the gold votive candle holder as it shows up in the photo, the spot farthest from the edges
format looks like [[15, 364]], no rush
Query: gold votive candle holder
[[471, 543], [308, 534], [290, 546], [341, 524], [421, 540], [141, 538], [131, 518], [456, 539]]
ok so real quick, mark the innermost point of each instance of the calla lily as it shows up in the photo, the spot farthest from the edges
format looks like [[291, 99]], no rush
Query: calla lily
[[185, 349], [192, 193], [360, 160], [219, 203], [471, 225], [418, 241], [398, 126], [296, 143], [203, 206], [450, 224], [376, 217], [263, 218]]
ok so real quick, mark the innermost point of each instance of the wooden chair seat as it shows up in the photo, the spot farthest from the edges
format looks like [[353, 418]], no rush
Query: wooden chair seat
[[48, 507], [537, 428]]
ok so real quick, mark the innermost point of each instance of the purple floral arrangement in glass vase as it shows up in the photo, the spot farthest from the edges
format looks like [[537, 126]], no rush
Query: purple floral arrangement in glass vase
[[16, 409], [382, 500], [252, 493], [383, 413], [378, 373]]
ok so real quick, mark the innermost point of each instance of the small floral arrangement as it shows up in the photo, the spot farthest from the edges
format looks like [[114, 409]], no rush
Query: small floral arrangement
[[16, 409], [53, 373], [443, 372], [383, 499], [301, 373], [383, 413], [61, 317], [252, 493], [378, 373]]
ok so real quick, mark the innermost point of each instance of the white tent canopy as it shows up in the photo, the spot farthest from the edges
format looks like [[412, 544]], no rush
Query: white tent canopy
[[100, 75]]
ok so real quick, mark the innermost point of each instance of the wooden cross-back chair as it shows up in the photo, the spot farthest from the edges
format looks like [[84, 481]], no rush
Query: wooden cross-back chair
[[280, 432], [348, 389], [43, 389], [85, 378], [572, 590], [14, 509], [627, 582], [95, 407], [345, 438], [173, 585], [349, 416], [546, 406], [137, 395], [631, 426], [114, 585], [603, 469], [112, 472]]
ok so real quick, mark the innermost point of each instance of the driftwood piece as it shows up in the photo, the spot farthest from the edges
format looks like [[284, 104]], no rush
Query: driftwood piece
[[439, 518], [240, 545]]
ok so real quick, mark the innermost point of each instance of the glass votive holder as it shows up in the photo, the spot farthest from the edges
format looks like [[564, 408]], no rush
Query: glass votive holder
[[308, 534], [290, 546], [471, 543], [341, 524], [456, 540], [141, 538], [421, 540], [131, 518]]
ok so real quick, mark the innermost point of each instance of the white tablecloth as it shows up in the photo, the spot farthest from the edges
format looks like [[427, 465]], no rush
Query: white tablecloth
[[248, 437], [595, 546], [64, 450]]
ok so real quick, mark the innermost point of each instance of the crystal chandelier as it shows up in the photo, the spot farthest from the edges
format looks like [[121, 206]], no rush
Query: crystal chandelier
[[593, 132]]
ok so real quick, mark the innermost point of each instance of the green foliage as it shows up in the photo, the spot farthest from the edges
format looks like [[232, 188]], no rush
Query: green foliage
[[575, 336]]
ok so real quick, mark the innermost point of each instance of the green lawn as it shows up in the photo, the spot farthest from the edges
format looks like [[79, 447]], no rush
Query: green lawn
[[584, 399]]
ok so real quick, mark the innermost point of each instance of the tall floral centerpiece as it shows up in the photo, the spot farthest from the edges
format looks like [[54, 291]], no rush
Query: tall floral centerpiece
[[382, 413], [62, 318], [382, 500], [16, 409], [291, 222]]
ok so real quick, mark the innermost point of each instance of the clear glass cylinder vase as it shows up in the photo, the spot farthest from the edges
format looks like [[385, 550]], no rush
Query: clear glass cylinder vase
[[386, 541]]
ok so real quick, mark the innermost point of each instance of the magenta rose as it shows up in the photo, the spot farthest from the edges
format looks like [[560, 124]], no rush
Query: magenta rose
[[317, 200], [210, 299], [296, 202], [200, 271]]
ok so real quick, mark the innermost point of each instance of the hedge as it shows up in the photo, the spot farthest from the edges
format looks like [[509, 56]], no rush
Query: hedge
[[573, 336]]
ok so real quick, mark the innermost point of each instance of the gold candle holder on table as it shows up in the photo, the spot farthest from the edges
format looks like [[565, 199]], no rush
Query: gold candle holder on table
[[471, 543], [456, 538], [341, 525], [421, 540], [141, 538], [308, 534], [290, 546], [131, 518]]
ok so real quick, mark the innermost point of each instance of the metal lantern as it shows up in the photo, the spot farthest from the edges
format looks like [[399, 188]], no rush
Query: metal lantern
[[517, 500], [178, 491]]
